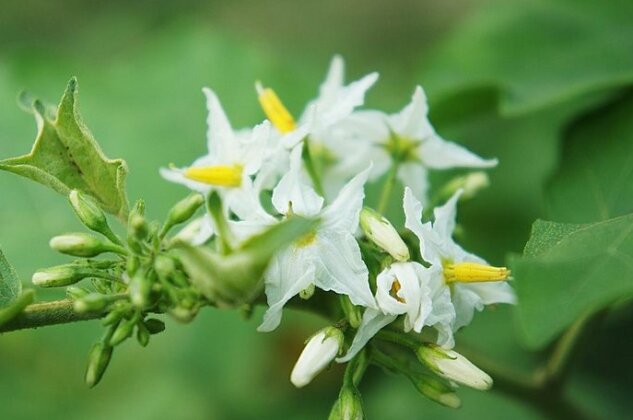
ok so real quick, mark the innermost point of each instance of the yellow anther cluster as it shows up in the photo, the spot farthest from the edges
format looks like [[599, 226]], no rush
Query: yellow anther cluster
[[275, 110], [218, 175], [469, 272]]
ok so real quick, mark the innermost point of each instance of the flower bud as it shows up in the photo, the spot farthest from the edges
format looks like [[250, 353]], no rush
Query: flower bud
[[123, 331], [321, 349], [453, 366], [349, 405], [184, 209], [471, 184], [307, 293], [382, 233], [164, 266], [74, 292], [61, 275], [98, 361], [352, 312], [436, 390], [142, 334], [90, 214], [83, 245], [139, 289], [93, 302]]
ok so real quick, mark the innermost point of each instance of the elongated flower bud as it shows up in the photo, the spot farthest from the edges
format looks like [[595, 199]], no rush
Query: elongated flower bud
[[436, 390], [98, 361], [471, 184], [382, 233], [453, 366], [93, 302], [123, 331], [91, 215], [83, 245], [61, 275], [321, 349], [349, 405], [353, 313], [139, 289], [184, 209]]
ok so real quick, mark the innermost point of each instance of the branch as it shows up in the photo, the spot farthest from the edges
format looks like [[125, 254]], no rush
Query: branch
[[47, 313]]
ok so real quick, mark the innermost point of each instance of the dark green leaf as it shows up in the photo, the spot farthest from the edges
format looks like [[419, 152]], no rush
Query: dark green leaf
[[595, 179], [65, 156], [570, 271], [10, 285]]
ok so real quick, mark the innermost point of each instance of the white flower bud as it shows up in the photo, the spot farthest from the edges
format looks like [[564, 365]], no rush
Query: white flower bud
[[62, 275], [382, 233], [471, 184], [321, 349], [83, 245], [454, 367]]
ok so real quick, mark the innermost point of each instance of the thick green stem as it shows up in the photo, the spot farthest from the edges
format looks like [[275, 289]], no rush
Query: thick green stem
[[47, 313]]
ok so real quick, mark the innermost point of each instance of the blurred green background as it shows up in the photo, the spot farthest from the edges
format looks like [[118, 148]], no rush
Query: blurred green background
[[504, 78]]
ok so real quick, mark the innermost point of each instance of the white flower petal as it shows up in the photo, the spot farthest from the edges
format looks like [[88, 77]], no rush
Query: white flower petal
[[414, 176], [340, 267], [445, 215], [289, 273], [177, 176], [333, 81], [412, 122], [293, 192], [372, 322], [220, 134], [431, 245], [343, 213], [437, 153]]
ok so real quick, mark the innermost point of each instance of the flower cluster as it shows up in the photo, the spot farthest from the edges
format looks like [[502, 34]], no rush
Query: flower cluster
[[317, 166]]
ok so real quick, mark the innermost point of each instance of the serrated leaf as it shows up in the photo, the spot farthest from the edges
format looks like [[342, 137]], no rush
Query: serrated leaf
[[569, 271], [595, 179], [65, 156], [10, 285]]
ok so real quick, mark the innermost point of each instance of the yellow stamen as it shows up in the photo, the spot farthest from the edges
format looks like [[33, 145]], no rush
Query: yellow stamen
[[218, 175], [395, 288], [275, 110], [469, 272], [307, 239]]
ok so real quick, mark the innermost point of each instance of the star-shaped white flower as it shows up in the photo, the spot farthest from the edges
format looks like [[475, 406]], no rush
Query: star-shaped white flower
[[405, 288], [328, 258], [406, 137], [234, 158], [471, 281]]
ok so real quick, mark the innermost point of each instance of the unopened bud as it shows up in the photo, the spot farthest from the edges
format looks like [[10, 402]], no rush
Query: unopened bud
[[453, 366], [139, 289], [142, 334], [436, 390], [471, 184], [123, 331], [75, 292], [382, 233], [61, 275], [349, 405], [90, 214], [98, 361], [83, 245], [137, 227], [353, 313], [182, 314], [318, 353], [164, 266], [184, 209], [93, 302]]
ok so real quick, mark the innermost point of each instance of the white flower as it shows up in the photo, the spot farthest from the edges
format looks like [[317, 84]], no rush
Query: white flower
[[321, 349], [454, 367], [381, 232], [233, 159], [407, 136], [335, 102], [405, 289], [329, 257], [472, 282]]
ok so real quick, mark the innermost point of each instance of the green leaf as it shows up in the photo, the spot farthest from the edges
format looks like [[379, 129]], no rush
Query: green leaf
[[10, 285], [595, 179], [65, 156], [537, 53], [237, 278], [569, 271], [16, 306]]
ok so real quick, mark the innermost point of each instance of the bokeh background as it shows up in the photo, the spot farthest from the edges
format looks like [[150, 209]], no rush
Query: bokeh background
[[504, 77]]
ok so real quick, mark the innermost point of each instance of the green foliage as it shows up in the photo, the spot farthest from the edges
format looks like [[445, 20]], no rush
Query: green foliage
[[65, 156], [10, 285], [595, 179], [570, 271]]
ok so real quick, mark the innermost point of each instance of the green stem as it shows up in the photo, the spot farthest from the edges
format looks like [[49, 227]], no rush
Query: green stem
[[356, 369], [387, 187], [311, 168], [47, 313]]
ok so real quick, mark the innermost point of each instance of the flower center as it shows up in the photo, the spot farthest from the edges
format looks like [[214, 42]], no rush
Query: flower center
[[307, 239], [218, 175], [395, 288], [402, 149], [275, 110], [468, 272]]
